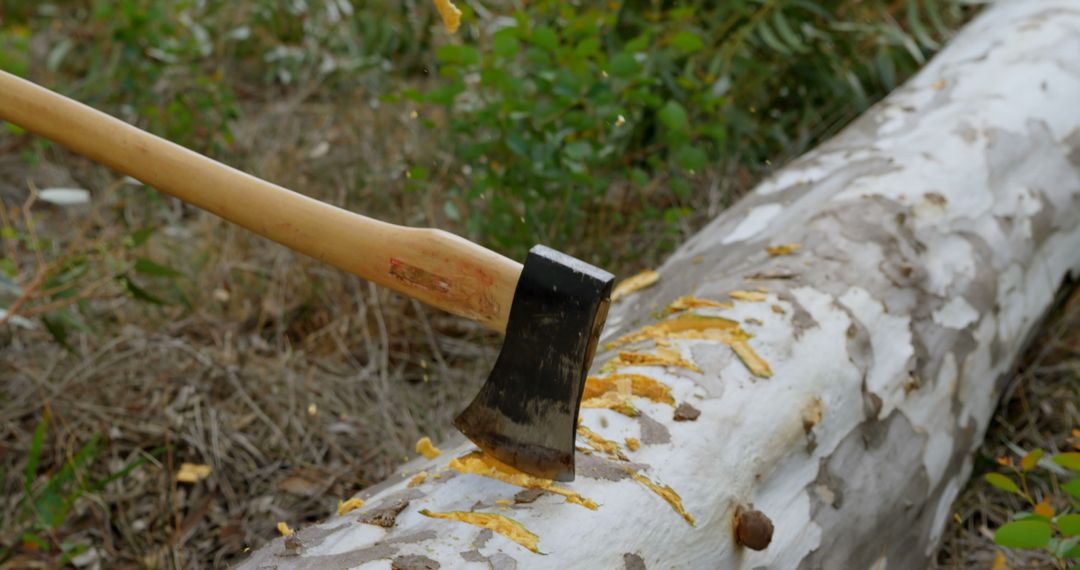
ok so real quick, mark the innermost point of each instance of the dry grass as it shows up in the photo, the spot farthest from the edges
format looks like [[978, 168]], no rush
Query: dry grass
[[1039, 408], [295, 383]]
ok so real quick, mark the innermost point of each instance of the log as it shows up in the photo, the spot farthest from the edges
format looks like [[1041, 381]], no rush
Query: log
[[814, 405]]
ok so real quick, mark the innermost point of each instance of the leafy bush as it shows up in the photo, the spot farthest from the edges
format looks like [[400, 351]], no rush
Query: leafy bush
[[553, 111], [1053, 523]]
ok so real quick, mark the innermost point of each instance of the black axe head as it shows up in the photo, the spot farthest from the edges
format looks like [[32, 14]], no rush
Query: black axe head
[[526, 413]]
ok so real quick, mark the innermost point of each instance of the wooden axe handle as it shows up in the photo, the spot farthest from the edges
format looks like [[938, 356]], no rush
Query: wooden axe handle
[[434, 266]]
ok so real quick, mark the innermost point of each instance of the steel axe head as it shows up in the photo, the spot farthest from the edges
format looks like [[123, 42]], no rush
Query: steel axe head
[[526, 413]]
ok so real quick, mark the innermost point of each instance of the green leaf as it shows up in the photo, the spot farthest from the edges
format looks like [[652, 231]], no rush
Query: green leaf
[[154, 269], [140, 293], [34, 454], [1002, 482], [587, 47], [687, 42], [546, 38], [458, 54], [673, 116], [505, 42], [1024, 534], [578, 150], [1072, 487], [1031, 459], [1069, 525], [690, 158], [139, 237], [57, 330], [623, 65], [1069, 460]]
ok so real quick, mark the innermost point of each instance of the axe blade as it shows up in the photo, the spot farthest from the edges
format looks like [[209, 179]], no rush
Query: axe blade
[[526, 413]]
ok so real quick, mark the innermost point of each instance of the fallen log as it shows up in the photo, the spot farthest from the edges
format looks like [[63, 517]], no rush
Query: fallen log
[[805, 384]]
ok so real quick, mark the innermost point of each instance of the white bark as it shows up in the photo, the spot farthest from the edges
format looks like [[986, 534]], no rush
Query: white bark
[[934, 231]]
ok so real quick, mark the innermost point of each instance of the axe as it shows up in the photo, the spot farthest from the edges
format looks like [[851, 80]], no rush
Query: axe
[[551, 309]]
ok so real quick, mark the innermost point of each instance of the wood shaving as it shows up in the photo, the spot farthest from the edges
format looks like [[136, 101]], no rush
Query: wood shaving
[[666, 493], [633, 284], [662, 357], [451, 15], [424, 447], [283, 528], [689, 326], [417, 479], [612, 401], [348, 506], [192, 472], [688, 302], [597, 442], [752, 296], [480, 463], [501, 524], [634, 385], [785, 249], [757, 365]]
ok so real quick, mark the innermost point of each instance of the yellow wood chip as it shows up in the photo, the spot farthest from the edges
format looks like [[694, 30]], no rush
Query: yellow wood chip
[[312, 409], [688, 302], [612, 401], [754, 296], [451, 16], [284, 529], [480, 463], [417, 479], [633, 443], [786, 249], [192, 472], [424, 447], [348, 506], [758, 367], [633, 284], [662, 357], [503, 525], [666, 493], [639, 385], [688, 326], [1000, 563], [597, 442]]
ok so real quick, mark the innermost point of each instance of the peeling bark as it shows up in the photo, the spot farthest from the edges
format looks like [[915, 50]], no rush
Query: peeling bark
[[933, 233]]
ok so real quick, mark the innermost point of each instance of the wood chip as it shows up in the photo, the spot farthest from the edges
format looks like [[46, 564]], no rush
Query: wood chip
[[688, 302], [667, 493], [283, 528], [417, 479], [451, 15], [424, 447], [192, 472], [480, 463], [752, 296], [785, 249], [633, 443], [501, 524], [349, 505], [687, 326], [633, 284], [757, 365]]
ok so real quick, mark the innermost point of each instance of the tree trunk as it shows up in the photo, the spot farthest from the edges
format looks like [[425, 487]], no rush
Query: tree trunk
[[842, 393]]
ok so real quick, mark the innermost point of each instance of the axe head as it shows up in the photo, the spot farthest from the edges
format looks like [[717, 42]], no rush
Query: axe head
[[526, 413]]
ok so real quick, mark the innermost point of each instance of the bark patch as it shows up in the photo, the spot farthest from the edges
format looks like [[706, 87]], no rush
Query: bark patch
[[686, 413], [414, 562], [632, 561], [652, 431]]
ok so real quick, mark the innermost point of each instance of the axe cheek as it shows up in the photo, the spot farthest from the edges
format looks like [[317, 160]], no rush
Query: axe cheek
[[526, 413]]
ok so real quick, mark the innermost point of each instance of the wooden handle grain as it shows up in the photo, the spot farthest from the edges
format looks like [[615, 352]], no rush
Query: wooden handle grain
[[434, 266]]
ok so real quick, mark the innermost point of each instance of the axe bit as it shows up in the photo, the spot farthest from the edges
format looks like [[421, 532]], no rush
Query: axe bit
[[551, 309]]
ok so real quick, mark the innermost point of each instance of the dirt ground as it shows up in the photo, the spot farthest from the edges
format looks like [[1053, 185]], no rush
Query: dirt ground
[[298, 385]]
